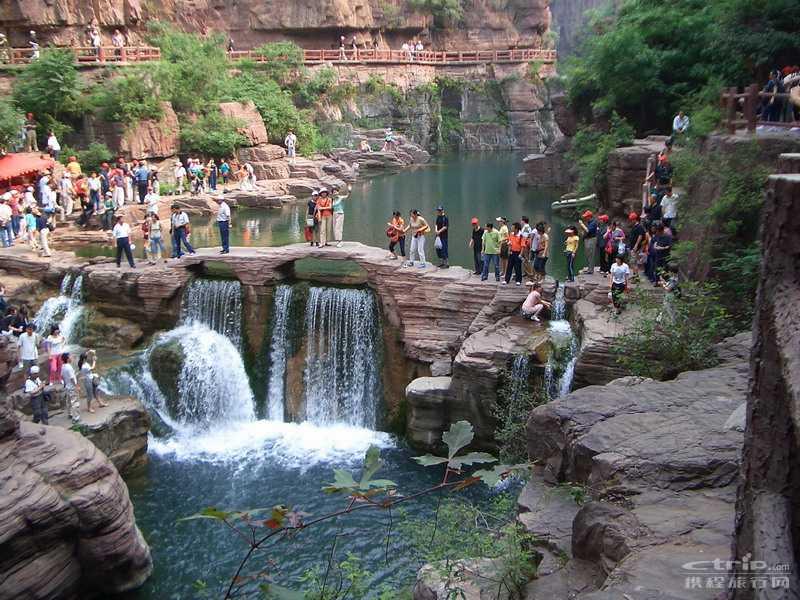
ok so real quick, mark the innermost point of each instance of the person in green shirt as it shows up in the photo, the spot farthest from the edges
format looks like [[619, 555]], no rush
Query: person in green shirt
[[108, 211], [490, 248]]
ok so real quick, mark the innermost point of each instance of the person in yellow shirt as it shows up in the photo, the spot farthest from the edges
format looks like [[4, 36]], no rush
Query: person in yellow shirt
[[570, 250], [73, 166]]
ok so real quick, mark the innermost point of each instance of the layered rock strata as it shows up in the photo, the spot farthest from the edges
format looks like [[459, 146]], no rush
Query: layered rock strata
[[68, 529]]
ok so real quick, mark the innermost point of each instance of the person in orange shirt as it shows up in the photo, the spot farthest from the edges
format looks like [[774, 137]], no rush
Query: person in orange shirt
[[324, 216], [516, 244]]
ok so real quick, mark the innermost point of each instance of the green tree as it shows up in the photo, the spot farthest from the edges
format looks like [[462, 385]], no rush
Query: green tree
[[11, 121], [127, 98], [51, 89], [444, 12], [284, 61], [213, 135]]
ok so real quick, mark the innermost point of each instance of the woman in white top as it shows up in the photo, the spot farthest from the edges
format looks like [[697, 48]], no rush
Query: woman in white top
[[53, 147], [86, 365], [122, 232], [55, 347], [620, 274]]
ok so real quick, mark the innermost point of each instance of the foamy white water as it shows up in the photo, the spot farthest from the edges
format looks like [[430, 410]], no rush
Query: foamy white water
[[291, 445]]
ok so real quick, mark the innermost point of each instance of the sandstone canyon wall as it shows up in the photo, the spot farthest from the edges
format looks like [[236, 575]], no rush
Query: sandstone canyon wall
[[311, 23]]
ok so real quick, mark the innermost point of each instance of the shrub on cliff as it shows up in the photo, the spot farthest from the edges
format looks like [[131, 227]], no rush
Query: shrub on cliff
[[127, 98], [284, 61], [11, 121], [90, 158], [51, 89], [212, 134], [590, 150]]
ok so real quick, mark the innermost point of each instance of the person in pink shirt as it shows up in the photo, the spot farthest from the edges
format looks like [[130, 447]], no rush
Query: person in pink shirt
[[534, 303]]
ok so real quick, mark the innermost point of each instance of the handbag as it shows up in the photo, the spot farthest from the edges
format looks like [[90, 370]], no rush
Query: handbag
[[438, 243], [310, 221]]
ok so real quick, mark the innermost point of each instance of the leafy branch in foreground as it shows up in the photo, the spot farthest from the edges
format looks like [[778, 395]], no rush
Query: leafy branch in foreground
[[261, 529]]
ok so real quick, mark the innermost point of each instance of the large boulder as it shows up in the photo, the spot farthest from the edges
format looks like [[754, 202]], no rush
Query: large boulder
[[253, 129], [166, 363], [68, 525], [100, 331], [150, 139]]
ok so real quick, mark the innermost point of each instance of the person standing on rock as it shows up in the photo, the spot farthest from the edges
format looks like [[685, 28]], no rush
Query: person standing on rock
[[31, 144], [6, 228], [224, 224], [70, 382], [122, 236], [95, 185], [43, 227], [55, 347], [571, 250], [311, 230], [490, 249], [324, 216], [396, 230], [502, 224], [213, 174], [34, 388], [142, 175], [338, 214], [28, 347], [291, 144], [53, 147], [419, 227], [516, 243], [118, 187], [476, 243], [225, 173], [620, 274], [543, 251], [180, 177], [109, 207], [178, 224], [156, 239], [588, 225], [442, 225], [86, 365]]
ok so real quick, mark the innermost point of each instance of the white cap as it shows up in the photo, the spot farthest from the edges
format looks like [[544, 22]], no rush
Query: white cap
[[34, 370]]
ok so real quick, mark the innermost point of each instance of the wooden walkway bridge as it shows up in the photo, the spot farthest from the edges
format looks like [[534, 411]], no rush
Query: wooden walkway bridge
[[87, 56]]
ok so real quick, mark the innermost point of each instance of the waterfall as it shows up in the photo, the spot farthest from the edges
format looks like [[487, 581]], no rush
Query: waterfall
[[217, 304], [64, 310], [343, 357], [518, 378], [278, 350], [558, 381]]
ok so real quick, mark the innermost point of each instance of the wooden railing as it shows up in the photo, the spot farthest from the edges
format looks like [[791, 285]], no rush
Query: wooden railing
[[136, 54], [87, 55], [740, 110]]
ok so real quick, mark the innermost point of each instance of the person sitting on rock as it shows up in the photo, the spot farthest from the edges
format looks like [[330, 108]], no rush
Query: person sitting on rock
[[534, 303], [364, 146]]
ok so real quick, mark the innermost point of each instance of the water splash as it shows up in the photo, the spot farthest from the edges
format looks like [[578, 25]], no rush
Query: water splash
[[520, 372], [278, 351], [343, 357], [65, 310], [217, 304], [558, 379]]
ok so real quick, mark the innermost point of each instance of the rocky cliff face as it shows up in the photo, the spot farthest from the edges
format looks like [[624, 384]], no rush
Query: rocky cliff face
[[68, 529], [311, 23]]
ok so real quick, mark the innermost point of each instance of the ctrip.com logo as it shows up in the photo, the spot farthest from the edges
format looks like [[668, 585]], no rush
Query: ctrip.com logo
[[742, 574]]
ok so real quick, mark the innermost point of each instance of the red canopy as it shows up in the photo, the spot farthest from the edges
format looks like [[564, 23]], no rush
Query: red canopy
[[19, 165]]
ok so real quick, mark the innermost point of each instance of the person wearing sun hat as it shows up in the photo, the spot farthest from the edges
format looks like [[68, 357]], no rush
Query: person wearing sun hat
[[588, 225]]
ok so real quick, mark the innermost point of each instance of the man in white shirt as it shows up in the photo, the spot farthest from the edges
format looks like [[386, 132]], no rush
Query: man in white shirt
[[122, 233], [179, 221], [6, 229], [291, 144], [151, 199], [66, 195], [34, 387], [680, 124], [28, 347], [180, 176], [669, 207], [224, 224], [71, 388]]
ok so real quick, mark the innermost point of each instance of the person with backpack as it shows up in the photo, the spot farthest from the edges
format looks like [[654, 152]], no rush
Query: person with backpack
[[588, 225]]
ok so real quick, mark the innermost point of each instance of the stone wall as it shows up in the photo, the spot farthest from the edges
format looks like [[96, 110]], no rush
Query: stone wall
[[768, 507]]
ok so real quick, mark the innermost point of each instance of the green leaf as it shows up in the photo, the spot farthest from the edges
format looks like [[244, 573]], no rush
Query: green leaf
[[382, 483], [430, 460], [343, 480], [471, 459], [491, 477], [459, 435], [372, 462], [210, 513]]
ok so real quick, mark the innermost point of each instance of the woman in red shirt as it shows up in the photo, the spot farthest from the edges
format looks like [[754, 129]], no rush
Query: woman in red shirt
[[324, 216]]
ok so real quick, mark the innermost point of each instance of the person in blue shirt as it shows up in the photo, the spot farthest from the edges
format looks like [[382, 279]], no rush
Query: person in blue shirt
[[142, 178]]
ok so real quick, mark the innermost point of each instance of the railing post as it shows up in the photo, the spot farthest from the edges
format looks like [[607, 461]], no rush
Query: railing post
[[750, 106], [731, 109]]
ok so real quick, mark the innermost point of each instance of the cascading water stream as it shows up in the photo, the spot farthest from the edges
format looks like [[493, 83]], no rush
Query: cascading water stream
[[278, 351], [562, 335], [65, 310], [343, 356], [217, 304]]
